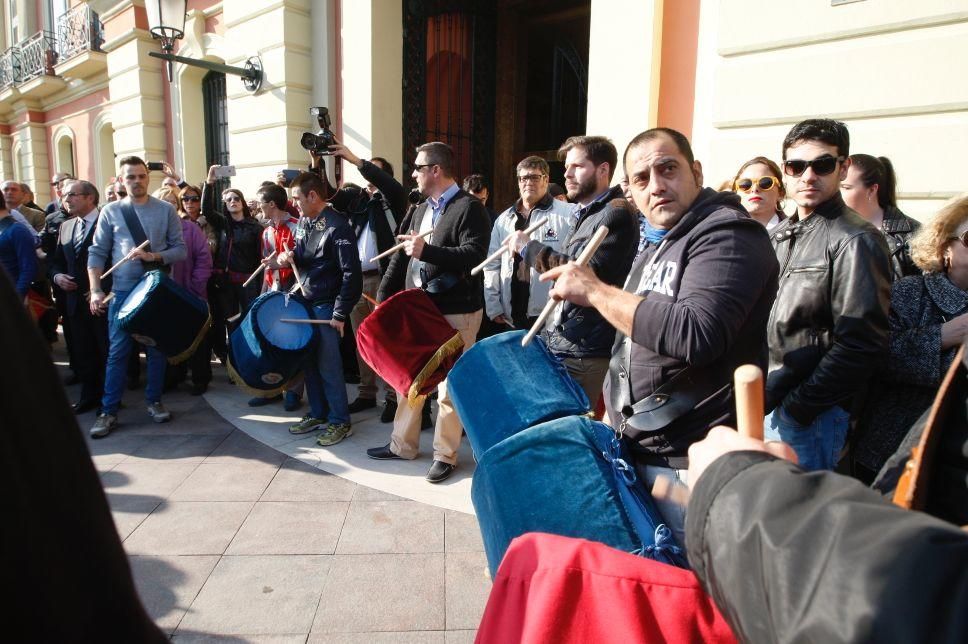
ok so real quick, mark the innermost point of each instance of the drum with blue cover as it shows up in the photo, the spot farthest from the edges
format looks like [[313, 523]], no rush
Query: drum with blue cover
[[569, 477], [499, 388], [265, 353], [160, 313]]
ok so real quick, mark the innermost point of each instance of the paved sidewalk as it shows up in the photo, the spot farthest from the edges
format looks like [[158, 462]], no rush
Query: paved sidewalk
[[231, 540]]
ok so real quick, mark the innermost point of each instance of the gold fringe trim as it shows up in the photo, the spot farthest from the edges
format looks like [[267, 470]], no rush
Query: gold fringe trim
[[446, 350], [252, 391], [187, 353]]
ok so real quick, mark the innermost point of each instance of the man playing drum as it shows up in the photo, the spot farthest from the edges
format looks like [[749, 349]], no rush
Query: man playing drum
[[694, 307], [121, 228]]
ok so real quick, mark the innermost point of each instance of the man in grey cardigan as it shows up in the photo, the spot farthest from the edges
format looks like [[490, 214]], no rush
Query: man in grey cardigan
[[112, 241]]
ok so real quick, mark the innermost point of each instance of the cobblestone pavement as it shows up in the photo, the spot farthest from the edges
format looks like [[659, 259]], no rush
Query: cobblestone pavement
[[231, 540]]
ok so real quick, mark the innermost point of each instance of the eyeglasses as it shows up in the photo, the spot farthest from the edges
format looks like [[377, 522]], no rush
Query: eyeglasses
[[822, 166], [963, 238], [231, 198], [763, 183], [531, 178], [420, 168], [191, 198]]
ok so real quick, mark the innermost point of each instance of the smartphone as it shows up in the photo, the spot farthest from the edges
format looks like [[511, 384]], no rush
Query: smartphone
[[155, 165], [288, 175], [225, 171]]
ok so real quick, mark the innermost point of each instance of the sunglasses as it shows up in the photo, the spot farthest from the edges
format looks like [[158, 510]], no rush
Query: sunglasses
[[822, 166], [231, 199], [191, 198], [763, 183], [420, 167], [963, 238]]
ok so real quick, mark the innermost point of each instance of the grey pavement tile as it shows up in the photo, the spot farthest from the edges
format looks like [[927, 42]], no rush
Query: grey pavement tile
[[395, 637], [204, 638], [259, 595], [460, 637], [112, 449], [148, 479], [382, 593], [467, 589], [364, 493], [217, 482], [188, 528], [463, 533], [130, 511], [168, 585], [296, 481], [189, 415], [373, 527], [175, 448], [290, 528], [239, 447]]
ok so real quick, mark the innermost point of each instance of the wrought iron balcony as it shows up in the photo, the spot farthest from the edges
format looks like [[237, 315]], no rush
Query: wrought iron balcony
[[39, 55], [10, 68], [79, 30]]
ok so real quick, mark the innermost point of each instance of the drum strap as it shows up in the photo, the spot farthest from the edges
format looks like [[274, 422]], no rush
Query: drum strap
[[138, 235]]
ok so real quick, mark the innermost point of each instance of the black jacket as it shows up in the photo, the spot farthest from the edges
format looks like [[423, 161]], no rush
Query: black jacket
[[239, 242], [828, 330], [328, 262], [790, 556], [708, 290], [898, 228], [459, 243], [48, 236], [390, 189], [64, 259], [582, 332]]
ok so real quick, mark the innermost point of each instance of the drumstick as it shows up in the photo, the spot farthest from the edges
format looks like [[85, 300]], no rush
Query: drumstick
[[331, 323], [583, 259], [748, 382], [504, 247], [371, 300], [295, 271], [256, 272], [394, 249], [125, 258]]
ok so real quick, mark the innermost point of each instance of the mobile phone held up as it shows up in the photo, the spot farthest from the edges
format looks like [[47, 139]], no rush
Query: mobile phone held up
[[224, 171], [288, 175], [155, 166]]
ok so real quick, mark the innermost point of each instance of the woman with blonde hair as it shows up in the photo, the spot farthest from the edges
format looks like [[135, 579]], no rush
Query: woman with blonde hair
[[928, 324]]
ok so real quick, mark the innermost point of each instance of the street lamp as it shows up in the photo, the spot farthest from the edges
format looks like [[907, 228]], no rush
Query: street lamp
[[166, 22]]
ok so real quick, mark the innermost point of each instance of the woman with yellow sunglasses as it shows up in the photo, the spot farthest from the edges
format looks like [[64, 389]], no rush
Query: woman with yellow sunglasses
[[759, 183]]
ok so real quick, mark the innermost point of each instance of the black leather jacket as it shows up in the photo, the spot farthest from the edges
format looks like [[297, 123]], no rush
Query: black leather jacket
[[828, 330], [898, 228]]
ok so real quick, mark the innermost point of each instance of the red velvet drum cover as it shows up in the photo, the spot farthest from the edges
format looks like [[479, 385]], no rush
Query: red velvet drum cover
[[563, 590], [409, 343]]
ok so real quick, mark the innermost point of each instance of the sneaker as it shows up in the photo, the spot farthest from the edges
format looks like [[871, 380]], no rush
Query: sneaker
[[334, 434], [389, 411], [259, 401], [293, 401], [361, 404], [158, 413], [306, 425], [103, 425]]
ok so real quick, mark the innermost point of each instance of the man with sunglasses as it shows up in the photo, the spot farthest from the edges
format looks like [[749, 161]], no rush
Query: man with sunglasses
[[828, 329]]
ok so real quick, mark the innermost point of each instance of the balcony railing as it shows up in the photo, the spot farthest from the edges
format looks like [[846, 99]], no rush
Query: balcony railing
[[39, 56], [79, 30], [10, 68]]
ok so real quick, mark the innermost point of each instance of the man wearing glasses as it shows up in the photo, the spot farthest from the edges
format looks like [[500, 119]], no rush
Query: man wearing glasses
[[513, 295], [440, 265], [579, 334], [828, 329]]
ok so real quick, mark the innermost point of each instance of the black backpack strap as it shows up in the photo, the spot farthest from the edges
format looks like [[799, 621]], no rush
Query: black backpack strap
[[133, 223]]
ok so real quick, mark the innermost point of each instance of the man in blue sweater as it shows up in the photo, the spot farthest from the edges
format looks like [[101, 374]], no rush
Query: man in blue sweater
[[17, 251], [113, 239]]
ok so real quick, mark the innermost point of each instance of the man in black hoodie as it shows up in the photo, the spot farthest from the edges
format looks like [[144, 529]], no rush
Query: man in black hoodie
[[694, 308]]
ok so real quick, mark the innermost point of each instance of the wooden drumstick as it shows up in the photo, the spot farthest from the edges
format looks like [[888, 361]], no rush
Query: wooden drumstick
[[331, 323], [582, 260], [371, 300], [295, 271], [748, 383], [108, 298], [504, 247], [394, 249], [125, 259], [256, 272]]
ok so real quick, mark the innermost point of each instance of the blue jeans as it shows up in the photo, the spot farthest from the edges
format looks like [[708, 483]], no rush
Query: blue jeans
[[325, 386], [818, 444], [116, 373]]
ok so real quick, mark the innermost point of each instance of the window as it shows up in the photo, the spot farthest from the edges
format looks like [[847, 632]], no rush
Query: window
[[14, 21]]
